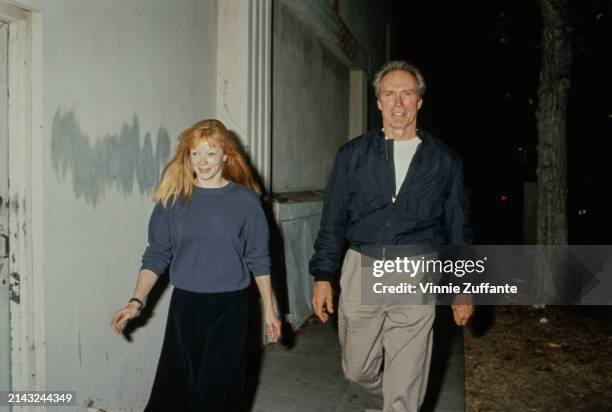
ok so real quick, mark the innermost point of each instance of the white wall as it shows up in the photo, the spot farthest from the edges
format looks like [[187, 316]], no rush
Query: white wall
[[309, 105], [121, 79], [4, 230]]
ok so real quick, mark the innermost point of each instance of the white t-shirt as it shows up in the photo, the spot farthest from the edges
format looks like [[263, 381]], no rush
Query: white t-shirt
[[403, 152]]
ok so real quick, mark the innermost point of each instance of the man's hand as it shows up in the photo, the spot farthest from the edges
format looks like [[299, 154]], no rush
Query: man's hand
[[462, 313], [322, 300]]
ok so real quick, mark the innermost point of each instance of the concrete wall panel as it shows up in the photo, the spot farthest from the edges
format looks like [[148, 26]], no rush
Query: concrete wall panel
[[309, 106]]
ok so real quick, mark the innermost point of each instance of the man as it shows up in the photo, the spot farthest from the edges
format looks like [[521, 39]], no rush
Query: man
[[396, 186]]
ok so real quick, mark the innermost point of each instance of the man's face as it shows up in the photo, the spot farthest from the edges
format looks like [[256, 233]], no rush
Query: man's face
[[399, 100]]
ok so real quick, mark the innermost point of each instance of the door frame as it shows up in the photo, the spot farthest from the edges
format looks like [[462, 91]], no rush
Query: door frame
[[26, 304]]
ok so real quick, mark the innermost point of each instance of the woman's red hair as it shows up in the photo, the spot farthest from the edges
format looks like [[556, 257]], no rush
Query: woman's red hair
[[178, 177]]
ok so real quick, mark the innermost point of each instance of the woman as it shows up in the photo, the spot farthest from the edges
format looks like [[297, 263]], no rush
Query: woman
[[209, 228]]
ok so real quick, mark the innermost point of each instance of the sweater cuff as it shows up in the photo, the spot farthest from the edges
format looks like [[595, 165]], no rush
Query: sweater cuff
[[323, 275], [262, 272], [155, 270]]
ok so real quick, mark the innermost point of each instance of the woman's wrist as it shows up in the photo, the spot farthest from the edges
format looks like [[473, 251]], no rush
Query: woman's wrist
[[136, 306], [137, 302]]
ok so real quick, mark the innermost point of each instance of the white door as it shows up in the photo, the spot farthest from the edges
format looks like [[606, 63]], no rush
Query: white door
[[4, 202]]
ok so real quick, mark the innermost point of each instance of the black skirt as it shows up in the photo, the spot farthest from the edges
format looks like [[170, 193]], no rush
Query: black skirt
[[202, 366]]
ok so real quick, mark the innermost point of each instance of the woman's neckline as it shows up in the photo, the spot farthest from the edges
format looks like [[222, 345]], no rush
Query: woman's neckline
[[225, 188]]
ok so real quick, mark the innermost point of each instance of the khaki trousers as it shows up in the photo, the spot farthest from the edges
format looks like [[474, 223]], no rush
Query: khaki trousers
[[400, 336]]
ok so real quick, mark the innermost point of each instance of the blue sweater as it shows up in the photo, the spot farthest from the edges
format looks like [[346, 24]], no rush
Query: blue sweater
[[213, 243]]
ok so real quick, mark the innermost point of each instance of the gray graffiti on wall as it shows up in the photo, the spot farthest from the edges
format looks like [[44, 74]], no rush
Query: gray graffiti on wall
[[117, 160]]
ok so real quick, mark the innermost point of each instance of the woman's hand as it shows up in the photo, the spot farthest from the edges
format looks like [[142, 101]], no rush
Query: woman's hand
[[122, 316], [273, 324]]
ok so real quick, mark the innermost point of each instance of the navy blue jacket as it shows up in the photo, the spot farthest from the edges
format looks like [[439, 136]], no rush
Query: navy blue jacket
[[363, 208]]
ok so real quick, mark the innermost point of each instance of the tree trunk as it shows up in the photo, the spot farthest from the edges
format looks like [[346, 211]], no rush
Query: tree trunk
[[552, 123], [553, 283]]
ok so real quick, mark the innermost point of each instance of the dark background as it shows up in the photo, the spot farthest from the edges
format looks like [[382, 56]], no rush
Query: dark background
[[481, 61]]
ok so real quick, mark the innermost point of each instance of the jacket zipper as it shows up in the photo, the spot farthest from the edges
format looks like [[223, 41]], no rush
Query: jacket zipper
[[393, 197], [386, 152]]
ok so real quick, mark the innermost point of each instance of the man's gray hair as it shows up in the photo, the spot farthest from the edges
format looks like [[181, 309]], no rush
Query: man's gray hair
[[399, 65]]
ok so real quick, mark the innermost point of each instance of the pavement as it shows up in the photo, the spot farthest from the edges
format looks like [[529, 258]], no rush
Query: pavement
[[306, 376]]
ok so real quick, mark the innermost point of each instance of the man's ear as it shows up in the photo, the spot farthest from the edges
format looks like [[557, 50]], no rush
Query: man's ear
[[378, 104], [419, 104]]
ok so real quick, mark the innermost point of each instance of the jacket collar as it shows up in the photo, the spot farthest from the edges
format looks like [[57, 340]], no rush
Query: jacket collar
[[380, 135], [385, 148]]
